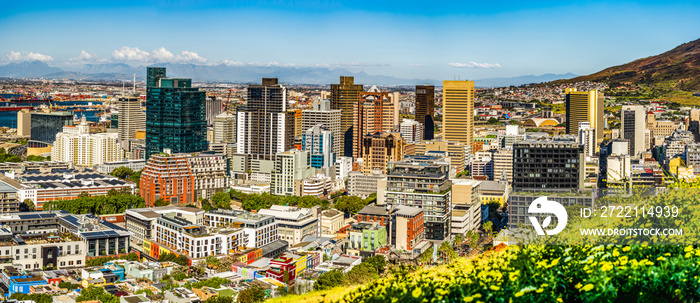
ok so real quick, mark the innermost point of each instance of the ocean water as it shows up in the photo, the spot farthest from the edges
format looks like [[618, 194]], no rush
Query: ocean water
[[9, 118]]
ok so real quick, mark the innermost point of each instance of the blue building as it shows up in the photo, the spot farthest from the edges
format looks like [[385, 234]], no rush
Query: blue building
[[175, 114], [22, 284], [318, 140]]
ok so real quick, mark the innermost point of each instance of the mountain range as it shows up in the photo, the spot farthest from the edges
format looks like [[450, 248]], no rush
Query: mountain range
[[239, 74], [678, 68]]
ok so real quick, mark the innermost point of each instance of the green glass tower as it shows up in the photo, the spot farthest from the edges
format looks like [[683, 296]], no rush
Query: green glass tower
[[175, 114]]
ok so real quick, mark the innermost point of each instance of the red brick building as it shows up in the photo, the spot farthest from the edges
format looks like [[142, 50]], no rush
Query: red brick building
[[283, 269], [168, 177]]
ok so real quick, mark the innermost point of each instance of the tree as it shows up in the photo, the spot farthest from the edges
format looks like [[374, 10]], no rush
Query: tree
[[458, 239], [349, 204], [161, 202], [122, 172], [253, 294], [378, 262], [29, 204], [221, 200], [96, 293], [371, 198], [219, 299], [329, 279]]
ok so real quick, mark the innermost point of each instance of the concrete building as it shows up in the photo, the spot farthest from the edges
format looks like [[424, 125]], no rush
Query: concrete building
[[411, 131], [24, 123], [512, 134], [107, 167], [343, 166], [363, 185], [425, 109], [101, 238], [62, 184], [40, 251], [131, 119], [265, 127], [318, 141], [214, 108], [167, 177], [210, 174], [633, 126], [548, 164], [424, 186], [466, 203], [458, 111], [330, 118], [141, 221], [371, 112], [291, 167], [293, 223], [332, 220], [503, 164], [585, 107], [318, 186], [455, 150], [225, 128], [586, 137], [260, 229], [195, 241], [344, 97], [378, 149], [78, 145], [9, 198]]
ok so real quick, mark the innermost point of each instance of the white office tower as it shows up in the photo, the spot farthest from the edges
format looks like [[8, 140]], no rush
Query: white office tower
[[586, 136]]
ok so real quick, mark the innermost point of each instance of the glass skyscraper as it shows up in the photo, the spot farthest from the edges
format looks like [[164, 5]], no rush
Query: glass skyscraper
[[175, 114]]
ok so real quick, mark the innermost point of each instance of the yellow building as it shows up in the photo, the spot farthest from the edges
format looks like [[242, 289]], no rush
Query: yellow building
[[585, 107], [455, 150], [378, 149], [458, 111]]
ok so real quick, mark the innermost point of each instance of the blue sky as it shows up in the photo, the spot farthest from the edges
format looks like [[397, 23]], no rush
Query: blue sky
[[408, 39]]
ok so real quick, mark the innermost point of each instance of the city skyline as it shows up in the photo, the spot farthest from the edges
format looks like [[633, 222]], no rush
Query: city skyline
[[407, 40]]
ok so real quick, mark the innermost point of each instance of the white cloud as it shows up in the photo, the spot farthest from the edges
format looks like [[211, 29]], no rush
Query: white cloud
[[271, 63], [130, 54], [86, 56], [232, 63], [26, 56], [162, 55], [475, 65], [415, 64], [358, 64], [188, 56]]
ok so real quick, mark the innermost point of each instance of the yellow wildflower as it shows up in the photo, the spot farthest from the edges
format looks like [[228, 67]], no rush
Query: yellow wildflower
[[588, 287]]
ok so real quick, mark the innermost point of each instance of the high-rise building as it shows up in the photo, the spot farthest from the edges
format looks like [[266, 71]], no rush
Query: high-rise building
[[458, 111], [175, 114], [548, 164], [633, 126], [330, 118], [318, 140], [291, 168], [77, 145], [507, 137], [167, 177], [466, 206], [24, 123], [586, 137], [425, 186], [582, 107], [210, 174], [214, 108], [372, 117], [45, 126], [345, 96], [503, 165], [425, 109], [411, 131], [265, 127], [131, 118], [378, 149], [225, 128]]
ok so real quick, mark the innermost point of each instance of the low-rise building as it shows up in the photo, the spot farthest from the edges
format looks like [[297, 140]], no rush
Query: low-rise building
[[41, 251], [363, 185], [141, 221], [293, 223], [466, 203], [108, 167], [101, 238], [63, 184], [260, 229], [331, 221], [195, 241]]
